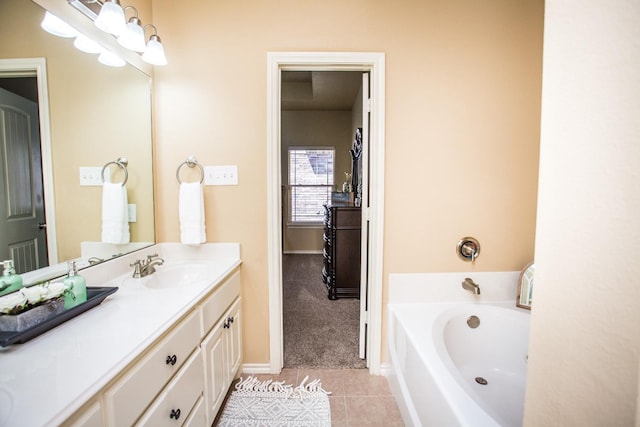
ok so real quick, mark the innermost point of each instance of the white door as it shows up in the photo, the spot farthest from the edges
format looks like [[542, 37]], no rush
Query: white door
[[22, 221], [364, 241]]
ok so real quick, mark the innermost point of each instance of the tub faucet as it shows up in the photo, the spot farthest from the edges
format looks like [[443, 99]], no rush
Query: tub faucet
[[469, 285]]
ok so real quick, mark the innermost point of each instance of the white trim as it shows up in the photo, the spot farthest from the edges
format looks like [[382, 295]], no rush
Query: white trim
[[303, 252], [39, 67], [255, 368], [325, 61], [386, 369]]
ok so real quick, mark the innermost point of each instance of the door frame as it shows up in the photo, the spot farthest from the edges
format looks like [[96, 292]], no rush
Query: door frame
[[29, 67], [374, 63]]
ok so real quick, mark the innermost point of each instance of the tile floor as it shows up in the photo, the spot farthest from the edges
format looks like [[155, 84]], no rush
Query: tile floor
[[357, 398]]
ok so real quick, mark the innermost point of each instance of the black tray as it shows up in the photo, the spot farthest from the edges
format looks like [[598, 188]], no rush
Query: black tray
[[95, 295]]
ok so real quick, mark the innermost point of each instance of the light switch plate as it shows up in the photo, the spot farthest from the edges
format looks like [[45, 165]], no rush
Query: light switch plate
[[90, 176], [221, 175]]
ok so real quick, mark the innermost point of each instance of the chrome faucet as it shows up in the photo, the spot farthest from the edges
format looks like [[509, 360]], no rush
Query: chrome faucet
[[470, 285], [142, 267]]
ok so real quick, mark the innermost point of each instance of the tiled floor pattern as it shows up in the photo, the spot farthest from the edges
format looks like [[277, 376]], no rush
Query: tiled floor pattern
[[357, 398]]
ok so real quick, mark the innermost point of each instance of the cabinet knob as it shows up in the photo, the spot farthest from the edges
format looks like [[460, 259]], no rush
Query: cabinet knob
[[225, 325], [175, 413], [230, 319], [171, 360]]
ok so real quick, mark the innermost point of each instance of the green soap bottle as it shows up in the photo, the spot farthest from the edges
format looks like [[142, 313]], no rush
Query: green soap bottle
[[75, 287], [10, 281]]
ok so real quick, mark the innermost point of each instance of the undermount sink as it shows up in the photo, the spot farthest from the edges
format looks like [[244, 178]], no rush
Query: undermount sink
[[179, 274]]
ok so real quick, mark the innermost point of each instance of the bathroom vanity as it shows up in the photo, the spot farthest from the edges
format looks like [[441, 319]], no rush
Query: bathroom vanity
[[162, 350]]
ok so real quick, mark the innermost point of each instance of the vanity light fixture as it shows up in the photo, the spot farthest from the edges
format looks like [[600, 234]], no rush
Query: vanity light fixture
[[56, 26], [133, 36], [111, 18], [154, 53], [87, 45]]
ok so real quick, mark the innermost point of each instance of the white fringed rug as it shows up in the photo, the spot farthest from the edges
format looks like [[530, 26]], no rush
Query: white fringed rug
[[272, 403]]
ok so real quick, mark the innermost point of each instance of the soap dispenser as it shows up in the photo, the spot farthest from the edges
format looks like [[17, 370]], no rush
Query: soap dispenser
[[10, 281], [75, 287]]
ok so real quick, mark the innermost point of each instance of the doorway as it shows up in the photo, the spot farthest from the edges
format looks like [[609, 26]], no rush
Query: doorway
[[321, 112], [24, 84], [372, 213]]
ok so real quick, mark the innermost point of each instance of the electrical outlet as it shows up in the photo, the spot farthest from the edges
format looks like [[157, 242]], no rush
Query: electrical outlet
[[221, 175], [90, 176]]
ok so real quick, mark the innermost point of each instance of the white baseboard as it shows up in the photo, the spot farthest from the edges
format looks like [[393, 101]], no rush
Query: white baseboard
[[303, 252], [263, 368], [256, 368], [385, 369]]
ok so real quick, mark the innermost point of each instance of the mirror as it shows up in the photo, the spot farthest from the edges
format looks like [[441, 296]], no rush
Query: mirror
[[96, 115], [525, 286]]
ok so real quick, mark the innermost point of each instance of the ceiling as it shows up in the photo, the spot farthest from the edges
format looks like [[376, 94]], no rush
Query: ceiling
[[320, 90]]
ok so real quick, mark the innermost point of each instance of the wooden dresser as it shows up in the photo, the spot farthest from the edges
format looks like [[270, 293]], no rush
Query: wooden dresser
[[341, 270]]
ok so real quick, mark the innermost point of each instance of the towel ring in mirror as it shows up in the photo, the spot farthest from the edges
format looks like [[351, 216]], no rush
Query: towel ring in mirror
[[122, 163], [190, 162]]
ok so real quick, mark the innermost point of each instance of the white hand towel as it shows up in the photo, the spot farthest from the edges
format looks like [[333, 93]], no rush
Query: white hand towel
[[191, 213], [115, 214]]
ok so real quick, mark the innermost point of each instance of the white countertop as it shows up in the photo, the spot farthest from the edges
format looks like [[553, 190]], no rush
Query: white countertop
[[47, 379]]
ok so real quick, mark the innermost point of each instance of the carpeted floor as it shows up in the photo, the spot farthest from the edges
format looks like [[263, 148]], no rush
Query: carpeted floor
[[318, 332]]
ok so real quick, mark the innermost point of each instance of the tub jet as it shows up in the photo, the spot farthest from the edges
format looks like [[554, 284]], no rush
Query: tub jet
[[481, 381]]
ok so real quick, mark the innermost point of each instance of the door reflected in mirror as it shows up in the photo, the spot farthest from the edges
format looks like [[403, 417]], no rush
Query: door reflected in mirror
[[525, 286]]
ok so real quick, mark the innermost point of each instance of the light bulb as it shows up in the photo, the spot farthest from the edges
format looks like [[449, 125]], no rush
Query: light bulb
[[111, 18], [111, 59], [85, 44], [133, 36], [154, 53], [56, 26]]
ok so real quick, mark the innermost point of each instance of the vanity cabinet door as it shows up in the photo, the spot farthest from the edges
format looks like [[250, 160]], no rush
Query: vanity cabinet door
[[234, 349], [214, 349], [175, 403], [130, 396], [222, 352]]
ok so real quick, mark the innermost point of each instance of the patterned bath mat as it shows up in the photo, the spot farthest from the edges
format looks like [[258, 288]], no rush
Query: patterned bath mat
[[273, 403]]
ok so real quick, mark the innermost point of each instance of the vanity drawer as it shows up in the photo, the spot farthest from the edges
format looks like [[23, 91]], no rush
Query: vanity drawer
[[128, 398], [175, 403], [198, 416], [89, 416], [217, 303]]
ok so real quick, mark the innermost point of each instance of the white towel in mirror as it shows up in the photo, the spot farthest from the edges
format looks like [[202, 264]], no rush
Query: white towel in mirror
[[115, 213], [191, 213]]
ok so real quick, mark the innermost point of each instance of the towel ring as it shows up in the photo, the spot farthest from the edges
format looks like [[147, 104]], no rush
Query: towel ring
[[191, 162], [122, 163]]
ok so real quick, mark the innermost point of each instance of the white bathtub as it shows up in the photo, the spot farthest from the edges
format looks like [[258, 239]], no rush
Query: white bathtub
[[435, 359]]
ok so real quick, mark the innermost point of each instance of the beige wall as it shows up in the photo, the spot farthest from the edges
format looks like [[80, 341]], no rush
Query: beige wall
[[315, 129], [97, 114], [585, 330], [463, 86]]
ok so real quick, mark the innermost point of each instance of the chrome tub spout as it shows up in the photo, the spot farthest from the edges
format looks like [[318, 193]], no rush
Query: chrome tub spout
[[470, 285]]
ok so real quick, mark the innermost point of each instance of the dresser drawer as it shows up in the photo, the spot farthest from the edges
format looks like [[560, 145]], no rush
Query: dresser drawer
[[217, 303], [348, 218], [179, 398], [130, 396]]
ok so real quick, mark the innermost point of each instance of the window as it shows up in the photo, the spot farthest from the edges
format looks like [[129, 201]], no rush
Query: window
[[310, 183]]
